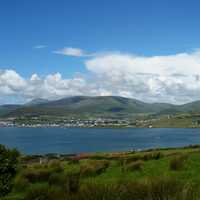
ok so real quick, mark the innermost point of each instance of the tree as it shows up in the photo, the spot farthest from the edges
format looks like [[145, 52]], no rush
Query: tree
[[9, 160]]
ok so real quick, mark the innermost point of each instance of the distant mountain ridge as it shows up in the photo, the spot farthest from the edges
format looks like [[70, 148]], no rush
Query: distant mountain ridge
[[6, 109], [37, 101], [97, 105]]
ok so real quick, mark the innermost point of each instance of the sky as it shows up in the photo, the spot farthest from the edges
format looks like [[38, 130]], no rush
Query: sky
[[143, 49]]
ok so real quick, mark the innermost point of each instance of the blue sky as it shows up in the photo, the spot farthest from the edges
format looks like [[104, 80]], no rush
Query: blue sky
[[144, 27], [137, 27]]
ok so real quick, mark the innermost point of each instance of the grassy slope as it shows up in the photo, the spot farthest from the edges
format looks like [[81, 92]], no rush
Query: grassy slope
[[184, 120], [107, 106], [80, 105], [156, 168], [151, 169]]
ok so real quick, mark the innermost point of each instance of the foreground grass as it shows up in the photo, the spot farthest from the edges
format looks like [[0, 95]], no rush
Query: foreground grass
[[150, 175]]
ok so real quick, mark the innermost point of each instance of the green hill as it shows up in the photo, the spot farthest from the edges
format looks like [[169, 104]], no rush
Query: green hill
[[83, 105], [107, 106], [6, 109], [154, 174]]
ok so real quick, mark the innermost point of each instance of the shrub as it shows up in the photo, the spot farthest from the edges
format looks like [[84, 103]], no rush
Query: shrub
[[98, 157], [39, 175], [57, 193], [152, 156], [74, 160], [37, 192], [165, 188], [94, 191], [178, 162], [58, 179], [132, 158], [190, 192], [137, 165], [87, 170], [72, 182], [122, 163], [131, 163], [69, 182], [13, 197], [93, 168], [20, 184], [55, 166], [132, 190], [9, 160], [157, 155]]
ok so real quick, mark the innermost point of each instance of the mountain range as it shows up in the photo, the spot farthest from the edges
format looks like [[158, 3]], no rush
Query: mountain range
[[94, 106]]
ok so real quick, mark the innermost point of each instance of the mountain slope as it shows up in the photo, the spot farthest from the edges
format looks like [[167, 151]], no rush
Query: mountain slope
[[190, 107], [96, 106], [5, 109], [36, 102], [82, 105]]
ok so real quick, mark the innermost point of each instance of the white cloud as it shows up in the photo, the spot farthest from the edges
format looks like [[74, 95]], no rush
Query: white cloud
[[10, 82], [183, 64], [172, 79], [69, 51], [52, 86]]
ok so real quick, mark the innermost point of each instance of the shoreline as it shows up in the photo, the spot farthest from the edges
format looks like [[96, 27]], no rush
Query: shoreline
[[103, 127], [64, 155]]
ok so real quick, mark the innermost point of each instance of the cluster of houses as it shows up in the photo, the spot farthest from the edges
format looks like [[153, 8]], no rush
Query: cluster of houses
[[99, 122], [6, 124]]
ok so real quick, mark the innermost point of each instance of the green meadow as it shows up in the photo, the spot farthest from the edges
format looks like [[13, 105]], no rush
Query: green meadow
[[155, 174]]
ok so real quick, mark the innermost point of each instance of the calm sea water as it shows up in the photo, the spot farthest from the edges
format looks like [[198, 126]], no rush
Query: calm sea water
[[76, 140]]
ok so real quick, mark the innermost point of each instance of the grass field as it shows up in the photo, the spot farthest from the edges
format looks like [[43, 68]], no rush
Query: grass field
[[148, 175]]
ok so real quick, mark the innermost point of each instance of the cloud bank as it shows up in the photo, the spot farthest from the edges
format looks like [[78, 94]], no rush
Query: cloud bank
[[171, 78]]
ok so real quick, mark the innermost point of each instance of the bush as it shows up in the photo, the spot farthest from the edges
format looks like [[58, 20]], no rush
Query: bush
[[190, 192], [178, 162], [94, 191], [74, 161], [57, 193], [20, 184], [58, 179], [13, 197], [157, 155], [137, 165], [73, 182], [165, 188], [132, 190], [37, 175], [41, 173], [122, 163], [45, 192], [152, 156], [55, 166], [9, 160], [38, 192], [132, 158], [93, 168]]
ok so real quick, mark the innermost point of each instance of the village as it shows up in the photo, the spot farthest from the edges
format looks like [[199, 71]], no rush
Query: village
[[36, 122], [179, 120]]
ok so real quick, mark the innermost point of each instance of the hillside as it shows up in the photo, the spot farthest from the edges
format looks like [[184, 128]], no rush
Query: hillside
[[83, 105], [6, 109], [107, 106], [36, 101], [154, 174]]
